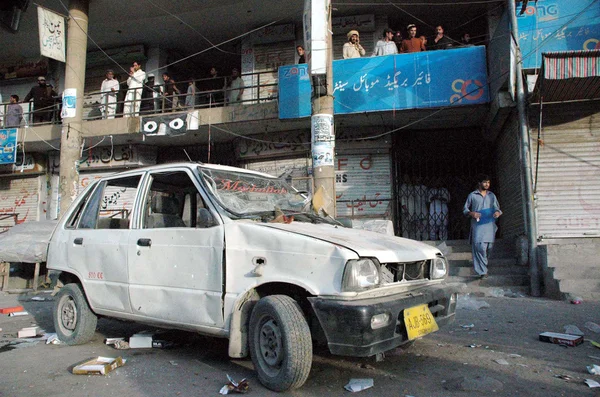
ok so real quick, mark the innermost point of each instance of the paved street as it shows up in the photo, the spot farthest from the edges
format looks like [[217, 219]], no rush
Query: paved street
[[439, 365]]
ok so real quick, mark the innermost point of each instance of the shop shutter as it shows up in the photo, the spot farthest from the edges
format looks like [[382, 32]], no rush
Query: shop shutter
[[295, 170], [19, 195], [508, 186], [568, 186], [267, 59], [363, 186]]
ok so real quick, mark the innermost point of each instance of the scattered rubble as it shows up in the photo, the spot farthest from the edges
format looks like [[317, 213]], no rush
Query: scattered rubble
[[232, 386], [356, 385]]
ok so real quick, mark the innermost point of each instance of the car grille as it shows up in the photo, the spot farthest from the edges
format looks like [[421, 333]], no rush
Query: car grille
[[409, 271]]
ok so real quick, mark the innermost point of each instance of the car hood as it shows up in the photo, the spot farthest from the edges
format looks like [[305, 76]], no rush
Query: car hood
[[387, 249]]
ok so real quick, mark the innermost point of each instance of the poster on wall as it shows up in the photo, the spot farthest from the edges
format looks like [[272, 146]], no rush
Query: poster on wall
[[52, 34], [8, 146], [322, 138]]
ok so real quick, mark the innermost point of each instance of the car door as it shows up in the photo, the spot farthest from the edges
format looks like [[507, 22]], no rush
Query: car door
[[97, 243], [176, 253]]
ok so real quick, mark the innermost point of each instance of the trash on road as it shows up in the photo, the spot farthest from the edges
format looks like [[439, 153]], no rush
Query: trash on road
[[592, 383], [242, 387], [564, 377], [573, 330], [51, 339], [140, 341], [356, 385], [594, 357], [501, 361], [118, 343], [98, 366], [14, 314], [473, 346], [595, 344], [469, 303], [13, 309], [163, 344], [561, 339], [594, 369], [467, 326], [28, 332], [592, 327], [577, 301]]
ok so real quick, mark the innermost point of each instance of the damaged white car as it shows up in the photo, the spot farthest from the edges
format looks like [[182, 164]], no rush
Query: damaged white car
[[239, 254]]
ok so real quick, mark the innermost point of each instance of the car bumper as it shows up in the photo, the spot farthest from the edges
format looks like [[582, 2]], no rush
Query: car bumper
[[347, 324]]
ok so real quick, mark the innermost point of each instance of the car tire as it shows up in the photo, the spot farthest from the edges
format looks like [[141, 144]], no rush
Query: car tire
[[280, 343], [74, 321]]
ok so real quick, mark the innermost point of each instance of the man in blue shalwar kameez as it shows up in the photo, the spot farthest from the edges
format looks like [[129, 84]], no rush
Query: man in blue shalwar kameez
[[483, 208]]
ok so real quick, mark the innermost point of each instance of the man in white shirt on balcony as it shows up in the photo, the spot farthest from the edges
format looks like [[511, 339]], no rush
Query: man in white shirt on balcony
[[353, 49], [109, 90], [386, 46], [135, 82]]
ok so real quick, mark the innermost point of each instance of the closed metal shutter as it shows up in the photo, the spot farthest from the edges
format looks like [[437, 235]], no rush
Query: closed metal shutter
[[363, 185], [268, 58], [508, 186], [568, 185], [20, 196], [295, 170]]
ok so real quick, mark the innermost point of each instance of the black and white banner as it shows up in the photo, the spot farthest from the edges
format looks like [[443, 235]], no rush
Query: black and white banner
[[170, 124], [52, 34]]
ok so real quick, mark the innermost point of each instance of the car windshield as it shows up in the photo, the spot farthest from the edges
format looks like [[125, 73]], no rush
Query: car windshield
[[249, 194]]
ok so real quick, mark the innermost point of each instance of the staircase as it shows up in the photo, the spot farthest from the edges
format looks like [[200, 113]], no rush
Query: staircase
[[505, 277]]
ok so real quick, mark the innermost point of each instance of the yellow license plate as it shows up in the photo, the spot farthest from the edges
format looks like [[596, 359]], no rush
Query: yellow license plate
[[419, 321]]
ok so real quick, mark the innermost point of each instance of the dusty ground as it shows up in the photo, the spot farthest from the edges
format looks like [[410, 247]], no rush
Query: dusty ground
[[440, 365]]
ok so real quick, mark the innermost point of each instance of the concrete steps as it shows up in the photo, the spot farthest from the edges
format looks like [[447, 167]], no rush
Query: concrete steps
[[504, 275]]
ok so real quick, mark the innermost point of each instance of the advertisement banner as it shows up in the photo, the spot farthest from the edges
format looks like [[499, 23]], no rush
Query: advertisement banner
[[557, 25], [8, 146], [69, 101], [52, 31], [323, 140], [294, 92]]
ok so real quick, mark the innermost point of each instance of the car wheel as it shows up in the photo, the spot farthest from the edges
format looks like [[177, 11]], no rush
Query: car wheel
[[74, 321], [280, 343]]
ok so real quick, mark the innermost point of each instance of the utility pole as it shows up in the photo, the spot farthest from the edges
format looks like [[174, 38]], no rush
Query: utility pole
[[322, 126], [70, 141], [530, 227]]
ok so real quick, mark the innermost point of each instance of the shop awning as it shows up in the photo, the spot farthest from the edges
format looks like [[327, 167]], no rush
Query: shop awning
[[568, 75]]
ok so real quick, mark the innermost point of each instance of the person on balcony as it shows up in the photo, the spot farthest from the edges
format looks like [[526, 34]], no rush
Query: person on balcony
[[109, 90], [234, 88], [398, 41], [43, 101], [386, 45], [300, 51], [14, 113], [353, 49], [424, 40], [135, 83], [214, 86], [412, 43], [441, 41], [190, 97], [171, 93]]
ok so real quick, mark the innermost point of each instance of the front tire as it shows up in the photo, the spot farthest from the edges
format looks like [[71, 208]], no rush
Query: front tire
[[74, 321], [280, 343]]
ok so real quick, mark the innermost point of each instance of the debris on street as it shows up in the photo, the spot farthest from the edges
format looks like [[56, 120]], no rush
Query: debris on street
[[28, 332], [356, 385], [14, 314], [232, 386], [595, 344], [118, 343], [594, 369], [467, 302], [140, 341], [564, 377], [592, 327], [98, 366], [13, 309], [592, 383], [573, 330], [51, 339], [501, 361], [468, 326], [561, 339]]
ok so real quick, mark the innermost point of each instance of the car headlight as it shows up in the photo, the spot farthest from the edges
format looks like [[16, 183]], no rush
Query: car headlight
[[360, 274], [439, 268]]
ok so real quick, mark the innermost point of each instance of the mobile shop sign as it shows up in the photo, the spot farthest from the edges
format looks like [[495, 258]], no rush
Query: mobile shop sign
[[8, 146], [557, 25]]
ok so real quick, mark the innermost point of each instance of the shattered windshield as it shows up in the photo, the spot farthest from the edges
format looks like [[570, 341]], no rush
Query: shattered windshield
[[247, 194]]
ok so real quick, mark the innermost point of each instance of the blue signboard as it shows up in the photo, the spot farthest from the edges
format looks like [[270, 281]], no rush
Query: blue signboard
[[395, 82], [8, 146], [294, 92], [557, 25]]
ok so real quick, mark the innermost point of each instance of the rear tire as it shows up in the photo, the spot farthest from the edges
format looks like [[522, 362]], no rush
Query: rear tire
[[280, 343], [74, 321]]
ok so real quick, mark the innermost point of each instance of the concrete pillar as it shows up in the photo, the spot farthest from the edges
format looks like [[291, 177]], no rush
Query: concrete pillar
[[322, 108], [70, 142]]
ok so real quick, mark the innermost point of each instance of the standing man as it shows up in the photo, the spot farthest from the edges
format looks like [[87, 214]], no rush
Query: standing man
[[171, 93], [43, 101], [235, 88], [412, 43], [386, 46], [135, 82], [483, 208], [14, 113], [353, 49], [109, 91], [300, 51], [441, 41]]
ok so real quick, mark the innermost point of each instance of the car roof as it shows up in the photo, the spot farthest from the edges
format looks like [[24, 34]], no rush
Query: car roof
[[191, 165]]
